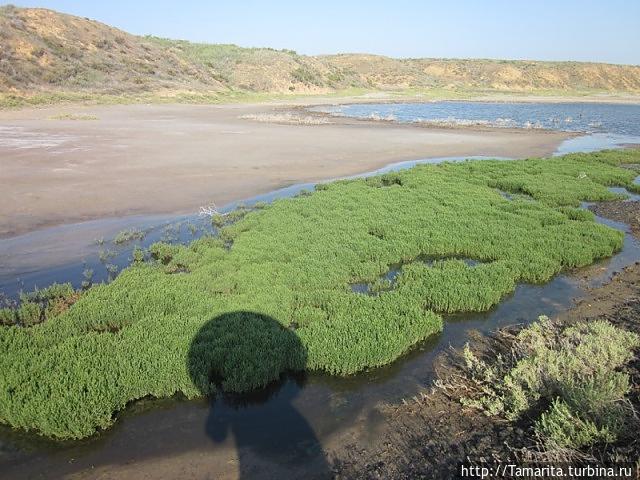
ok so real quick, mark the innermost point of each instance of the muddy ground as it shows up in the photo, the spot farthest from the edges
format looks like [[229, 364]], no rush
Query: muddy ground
[[620, 211], [63, 165], [431, 436]]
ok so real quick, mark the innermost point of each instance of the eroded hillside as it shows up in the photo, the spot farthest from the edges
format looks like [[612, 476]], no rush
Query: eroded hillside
[[43, 52]]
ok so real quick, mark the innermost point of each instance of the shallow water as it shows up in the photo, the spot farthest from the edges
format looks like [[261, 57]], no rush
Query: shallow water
[[63, 253], [589, 118], [20, 138], [603, 125], [330, 405]]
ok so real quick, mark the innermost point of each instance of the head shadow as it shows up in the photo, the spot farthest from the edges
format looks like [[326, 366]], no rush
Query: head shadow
[[251, 367], [242, 351]]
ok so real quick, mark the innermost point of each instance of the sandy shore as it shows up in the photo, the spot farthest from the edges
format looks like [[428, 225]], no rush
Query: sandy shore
[[495, 97], [157, 159]]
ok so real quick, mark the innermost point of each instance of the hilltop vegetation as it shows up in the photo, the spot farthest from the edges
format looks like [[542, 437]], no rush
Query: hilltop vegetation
[[48, 56], [283, 274]]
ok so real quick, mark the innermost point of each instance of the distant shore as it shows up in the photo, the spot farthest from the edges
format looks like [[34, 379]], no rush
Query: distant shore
[[507, 97], [67, 164], [42, 100]]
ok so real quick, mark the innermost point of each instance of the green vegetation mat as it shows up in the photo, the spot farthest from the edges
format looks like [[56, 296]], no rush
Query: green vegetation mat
[[273, 291]]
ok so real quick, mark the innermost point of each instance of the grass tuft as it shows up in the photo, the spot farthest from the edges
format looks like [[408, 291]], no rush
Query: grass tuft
[[127, 236]]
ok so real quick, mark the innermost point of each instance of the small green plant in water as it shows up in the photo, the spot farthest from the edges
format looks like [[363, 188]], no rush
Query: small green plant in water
[[137, 254], [87, 278], [105, 255], [126, 236]]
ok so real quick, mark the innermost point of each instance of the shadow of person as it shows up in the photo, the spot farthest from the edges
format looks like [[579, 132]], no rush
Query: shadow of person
[[242, 361]]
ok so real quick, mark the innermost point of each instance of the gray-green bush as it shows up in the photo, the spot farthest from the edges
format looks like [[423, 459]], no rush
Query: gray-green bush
[[574, 369]]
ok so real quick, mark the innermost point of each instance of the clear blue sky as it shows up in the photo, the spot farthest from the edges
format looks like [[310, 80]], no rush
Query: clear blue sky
[[588, 30]]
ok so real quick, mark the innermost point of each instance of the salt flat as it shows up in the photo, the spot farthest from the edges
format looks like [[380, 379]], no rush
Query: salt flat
[[156, 159]]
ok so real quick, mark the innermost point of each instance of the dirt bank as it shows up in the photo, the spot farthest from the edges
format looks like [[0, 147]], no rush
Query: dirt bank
[[620, 211], [68, 164]]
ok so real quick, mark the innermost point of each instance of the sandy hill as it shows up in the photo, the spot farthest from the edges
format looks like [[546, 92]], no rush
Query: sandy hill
[[42, 51]]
